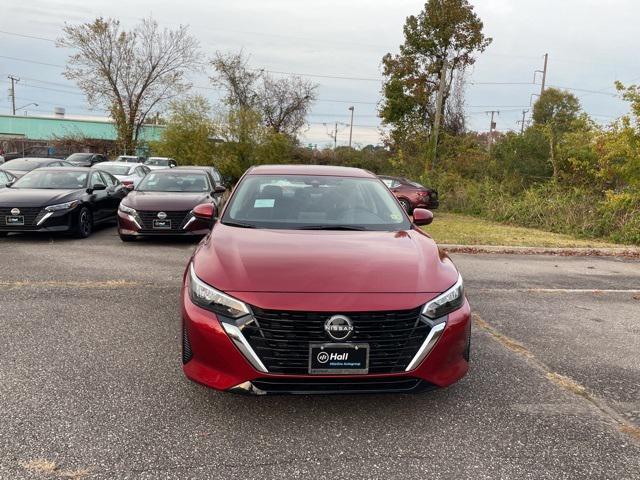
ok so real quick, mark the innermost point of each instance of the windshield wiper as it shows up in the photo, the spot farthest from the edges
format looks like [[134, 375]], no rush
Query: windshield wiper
[[332, 227], [239, 225]]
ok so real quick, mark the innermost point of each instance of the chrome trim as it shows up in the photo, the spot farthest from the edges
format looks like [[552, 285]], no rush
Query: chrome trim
[[189, 222], [44, 218], [427, 346], [247, 388], [133, 219], [238, 339]]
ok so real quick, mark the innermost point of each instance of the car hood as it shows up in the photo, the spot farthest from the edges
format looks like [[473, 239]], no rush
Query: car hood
[[249, 260], [34, 197], [165, 200]]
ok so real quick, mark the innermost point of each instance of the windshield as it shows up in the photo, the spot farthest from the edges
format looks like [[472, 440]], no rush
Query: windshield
[[314, 202], [21, 165], [52, 179], [174, 182], [415, 184], [116, 169], [160, 162], [122, 158]]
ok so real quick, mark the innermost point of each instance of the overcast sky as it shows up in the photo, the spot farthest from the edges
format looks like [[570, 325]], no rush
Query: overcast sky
[[590, 44]]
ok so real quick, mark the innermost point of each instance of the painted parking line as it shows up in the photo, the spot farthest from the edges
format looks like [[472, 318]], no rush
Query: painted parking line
[[558, 290]]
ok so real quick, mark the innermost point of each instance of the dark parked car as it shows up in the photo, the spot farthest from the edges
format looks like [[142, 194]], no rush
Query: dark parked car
[[314, 280], [215, 177], [20, 166], [411, 195], [64, 199], [163, 202], [5, 178], [86, 159]]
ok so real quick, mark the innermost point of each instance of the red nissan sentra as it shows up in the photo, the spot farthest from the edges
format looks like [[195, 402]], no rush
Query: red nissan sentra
[[315, 280]]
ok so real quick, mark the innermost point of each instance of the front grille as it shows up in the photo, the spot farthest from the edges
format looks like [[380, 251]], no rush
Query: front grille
[[342, 385], [281, 339], [31, 216], [177, 220]]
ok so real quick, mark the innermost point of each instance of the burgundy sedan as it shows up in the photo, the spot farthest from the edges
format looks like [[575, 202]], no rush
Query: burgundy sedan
[[411, 194], [163, 202], [314, 280]]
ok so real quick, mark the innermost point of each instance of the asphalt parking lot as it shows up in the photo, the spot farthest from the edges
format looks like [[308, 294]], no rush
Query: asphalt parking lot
[[91, 383]]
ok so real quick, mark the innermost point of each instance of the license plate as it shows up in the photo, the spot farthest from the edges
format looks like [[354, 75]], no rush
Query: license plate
[[338, 358], [162, 224], [14, 220]]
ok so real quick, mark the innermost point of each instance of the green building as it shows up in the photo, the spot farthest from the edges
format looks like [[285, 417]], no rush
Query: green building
[[17, 130]]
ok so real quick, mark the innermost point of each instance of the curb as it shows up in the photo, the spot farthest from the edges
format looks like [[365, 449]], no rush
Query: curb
[[627, 252]]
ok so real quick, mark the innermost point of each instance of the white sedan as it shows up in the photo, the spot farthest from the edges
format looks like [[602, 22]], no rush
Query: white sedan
[[129, 174], [157, 163]]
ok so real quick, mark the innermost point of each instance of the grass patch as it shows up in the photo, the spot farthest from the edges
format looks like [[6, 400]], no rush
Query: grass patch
[[457, 229]]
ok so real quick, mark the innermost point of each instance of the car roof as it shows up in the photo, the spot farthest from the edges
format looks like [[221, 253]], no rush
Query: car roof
[[113, 162], [319, 170], [38, 159], [181, 170], [66, 169]]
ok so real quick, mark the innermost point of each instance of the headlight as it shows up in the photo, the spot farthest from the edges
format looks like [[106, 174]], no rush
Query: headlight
[[125, 209], [447, 302], [206, 296], [62, 206]]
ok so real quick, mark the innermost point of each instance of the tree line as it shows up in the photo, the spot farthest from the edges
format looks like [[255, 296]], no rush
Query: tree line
[[564, 172]]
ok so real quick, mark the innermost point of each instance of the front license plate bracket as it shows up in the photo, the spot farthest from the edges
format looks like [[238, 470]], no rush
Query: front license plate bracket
[[338, 358]]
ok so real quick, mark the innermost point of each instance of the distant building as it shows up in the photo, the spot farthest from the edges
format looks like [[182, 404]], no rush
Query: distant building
[[18, 129]]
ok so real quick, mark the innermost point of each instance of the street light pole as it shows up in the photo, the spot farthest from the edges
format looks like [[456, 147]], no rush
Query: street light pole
[[351, 126]]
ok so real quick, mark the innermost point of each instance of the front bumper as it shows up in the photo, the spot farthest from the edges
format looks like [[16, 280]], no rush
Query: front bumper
[[132, 226], [44, 222], [211, 358]]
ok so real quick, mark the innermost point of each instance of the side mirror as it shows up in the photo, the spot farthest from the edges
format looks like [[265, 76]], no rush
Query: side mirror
[[96, 187], [205, 211], [422, 216], [219, 189]]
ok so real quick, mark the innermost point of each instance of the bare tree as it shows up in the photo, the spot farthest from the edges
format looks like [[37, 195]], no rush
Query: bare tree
[[281, 103], [285, 103], [232, 73], [131, 73]]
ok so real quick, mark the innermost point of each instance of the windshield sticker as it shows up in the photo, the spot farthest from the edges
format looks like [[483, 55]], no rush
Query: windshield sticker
[[264, 203]]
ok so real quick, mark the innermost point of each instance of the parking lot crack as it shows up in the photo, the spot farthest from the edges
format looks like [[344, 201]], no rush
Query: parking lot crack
[[566, 383]]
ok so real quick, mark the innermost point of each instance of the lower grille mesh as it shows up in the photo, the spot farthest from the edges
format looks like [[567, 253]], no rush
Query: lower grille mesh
[[187, 353]]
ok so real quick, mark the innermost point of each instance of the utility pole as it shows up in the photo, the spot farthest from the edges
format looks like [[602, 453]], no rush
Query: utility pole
[[436, 123], [492, 127], [524, 112], [351, 125], [335, 137], [13, 92], [543, 72]]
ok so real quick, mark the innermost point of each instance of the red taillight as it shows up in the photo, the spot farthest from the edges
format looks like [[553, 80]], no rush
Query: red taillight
[[423, 194], [128, 184]]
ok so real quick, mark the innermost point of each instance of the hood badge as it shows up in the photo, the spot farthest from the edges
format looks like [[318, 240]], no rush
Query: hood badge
[[162, 215], [15, 211], [339, 327]]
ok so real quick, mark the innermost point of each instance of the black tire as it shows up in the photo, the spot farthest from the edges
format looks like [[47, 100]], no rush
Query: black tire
[[406, 205], [85, 223], [4, 234], [127, 238]]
